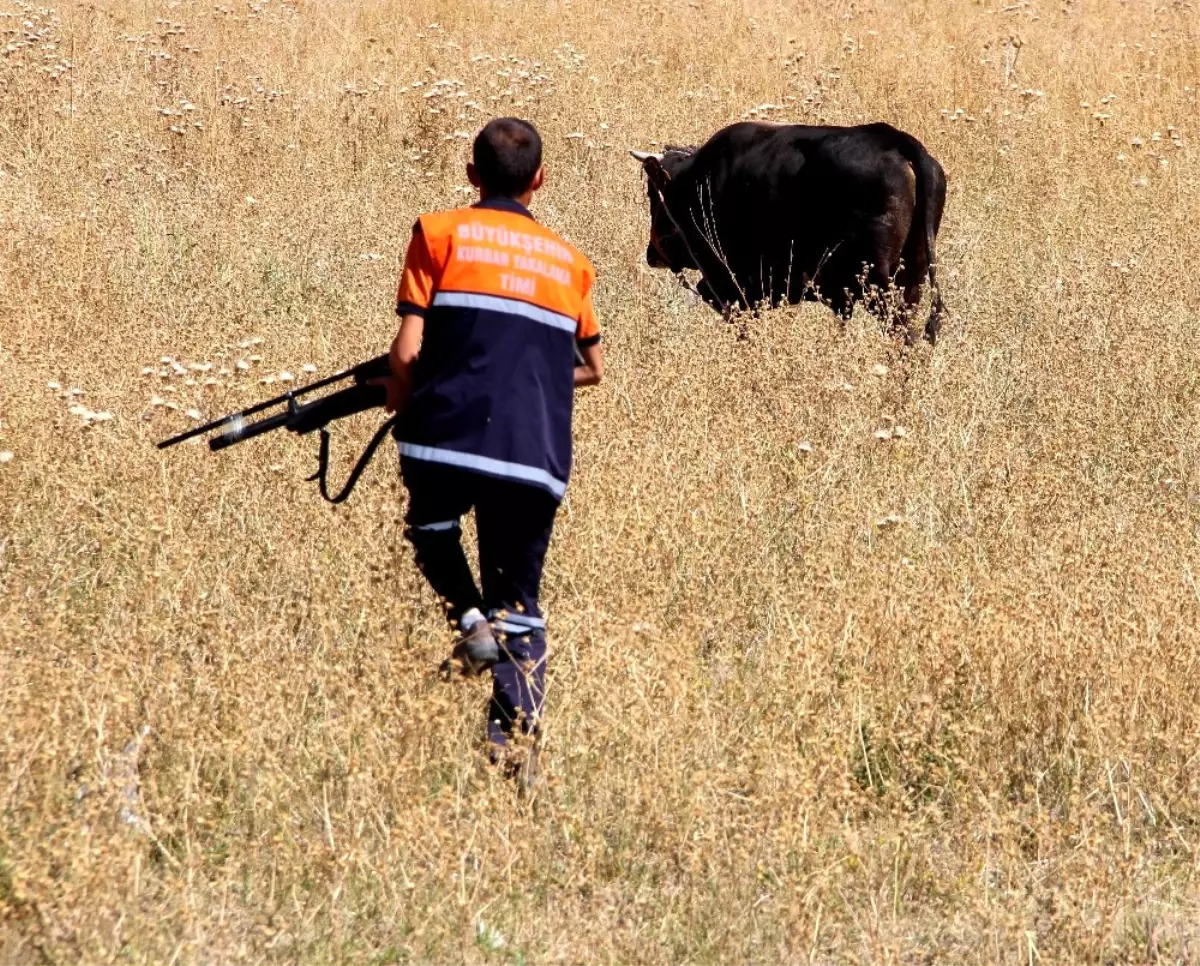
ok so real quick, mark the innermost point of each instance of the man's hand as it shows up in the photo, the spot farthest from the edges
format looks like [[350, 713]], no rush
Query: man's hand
[[396, 392]]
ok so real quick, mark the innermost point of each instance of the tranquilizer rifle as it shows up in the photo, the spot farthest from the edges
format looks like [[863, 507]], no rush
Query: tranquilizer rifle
[[303, 418]]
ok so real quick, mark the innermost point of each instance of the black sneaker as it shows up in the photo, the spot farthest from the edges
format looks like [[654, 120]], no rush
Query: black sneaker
[[476, 650]]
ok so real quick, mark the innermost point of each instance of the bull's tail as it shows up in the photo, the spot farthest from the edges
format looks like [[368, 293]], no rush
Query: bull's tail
[[931, 199]]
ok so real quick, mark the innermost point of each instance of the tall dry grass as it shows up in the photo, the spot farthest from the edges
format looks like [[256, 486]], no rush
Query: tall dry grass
[[781, 726]]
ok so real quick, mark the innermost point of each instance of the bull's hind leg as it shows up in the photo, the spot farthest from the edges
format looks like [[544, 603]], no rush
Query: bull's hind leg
[[841, 302], [884, 243], [907, 304], [909, 279], [876, 286]]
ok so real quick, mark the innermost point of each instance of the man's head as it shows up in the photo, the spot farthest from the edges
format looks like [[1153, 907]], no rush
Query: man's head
[[507, 159]]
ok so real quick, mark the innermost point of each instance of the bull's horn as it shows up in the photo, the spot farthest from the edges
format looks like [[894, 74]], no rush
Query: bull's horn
[[644, 156]]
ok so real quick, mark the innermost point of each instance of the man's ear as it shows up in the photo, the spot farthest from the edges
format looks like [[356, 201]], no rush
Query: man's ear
[[539, 179], [472, 174]]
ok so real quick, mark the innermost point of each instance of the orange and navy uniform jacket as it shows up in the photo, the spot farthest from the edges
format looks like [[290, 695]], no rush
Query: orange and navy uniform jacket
[[505, 302]]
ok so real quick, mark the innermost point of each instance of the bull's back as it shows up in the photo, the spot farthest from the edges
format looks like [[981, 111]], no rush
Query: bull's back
[[806, 185]]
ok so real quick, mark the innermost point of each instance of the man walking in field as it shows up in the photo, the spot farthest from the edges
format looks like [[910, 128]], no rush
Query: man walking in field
[[497, 331]]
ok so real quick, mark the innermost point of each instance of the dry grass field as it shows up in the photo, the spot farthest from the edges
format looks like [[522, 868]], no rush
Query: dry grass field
[[814, 695]]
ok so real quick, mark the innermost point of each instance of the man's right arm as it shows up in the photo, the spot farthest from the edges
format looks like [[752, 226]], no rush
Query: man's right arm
[[405, 349], [414, 295]]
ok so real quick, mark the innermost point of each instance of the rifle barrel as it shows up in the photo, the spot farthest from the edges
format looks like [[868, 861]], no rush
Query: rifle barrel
[[249, 430], [256, 408]]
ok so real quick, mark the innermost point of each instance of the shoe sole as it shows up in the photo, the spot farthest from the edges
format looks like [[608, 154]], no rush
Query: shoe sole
[[476, 657]]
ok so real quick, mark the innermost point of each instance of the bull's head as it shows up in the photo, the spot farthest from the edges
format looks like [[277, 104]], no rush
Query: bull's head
[[668, 246]]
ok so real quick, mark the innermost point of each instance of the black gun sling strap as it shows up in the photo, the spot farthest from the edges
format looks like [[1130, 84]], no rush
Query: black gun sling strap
[[321, 476]]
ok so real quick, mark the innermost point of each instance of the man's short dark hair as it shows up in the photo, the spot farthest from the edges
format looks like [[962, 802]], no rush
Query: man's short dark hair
[[507, 154]]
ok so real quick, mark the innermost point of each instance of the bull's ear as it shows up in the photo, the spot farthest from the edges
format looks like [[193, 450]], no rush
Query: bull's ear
[[658, 175]]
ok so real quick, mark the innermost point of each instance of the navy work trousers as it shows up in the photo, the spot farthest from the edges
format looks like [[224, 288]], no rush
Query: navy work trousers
[[513, 522]]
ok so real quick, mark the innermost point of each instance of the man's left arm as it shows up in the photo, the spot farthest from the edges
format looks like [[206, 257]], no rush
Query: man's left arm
[[589, 364]]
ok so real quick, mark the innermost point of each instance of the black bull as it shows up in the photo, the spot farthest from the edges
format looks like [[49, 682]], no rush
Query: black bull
[[768, 212]]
